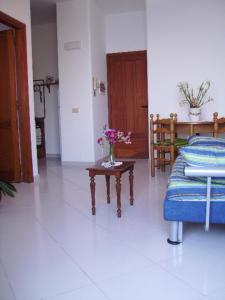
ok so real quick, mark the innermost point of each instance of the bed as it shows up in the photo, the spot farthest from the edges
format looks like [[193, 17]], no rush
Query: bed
[[194, 194]]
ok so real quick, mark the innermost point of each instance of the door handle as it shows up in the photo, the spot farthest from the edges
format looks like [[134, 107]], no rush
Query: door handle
[[144, 106]]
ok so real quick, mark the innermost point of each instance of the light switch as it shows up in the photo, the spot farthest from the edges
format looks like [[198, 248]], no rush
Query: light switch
[[75, 110]]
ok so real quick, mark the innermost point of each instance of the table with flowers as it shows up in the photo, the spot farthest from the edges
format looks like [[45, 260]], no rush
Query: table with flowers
[[117, 171]]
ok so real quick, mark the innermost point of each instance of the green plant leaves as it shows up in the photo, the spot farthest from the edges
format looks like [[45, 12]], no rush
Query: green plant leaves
[[190, 99], [7, 188]]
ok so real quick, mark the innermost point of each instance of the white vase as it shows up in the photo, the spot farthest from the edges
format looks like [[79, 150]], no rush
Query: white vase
[[194, 114]]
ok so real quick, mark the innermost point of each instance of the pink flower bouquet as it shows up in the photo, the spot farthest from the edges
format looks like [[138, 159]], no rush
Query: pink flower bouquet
[[112, 136]]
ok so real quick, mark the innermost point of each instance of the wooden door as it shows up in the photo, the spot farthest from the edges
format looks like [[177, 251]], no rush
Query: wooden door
[[9, 134], [128, 100]]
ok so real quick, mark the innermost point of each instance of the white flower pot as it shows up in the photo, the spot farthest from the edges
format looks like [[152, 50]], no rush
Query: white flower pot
[[194, 114]]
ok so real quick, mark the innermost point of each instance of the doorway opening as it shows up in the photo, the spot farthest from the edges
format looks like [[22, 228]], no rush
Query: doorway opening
[[46, 84], [15, 150]]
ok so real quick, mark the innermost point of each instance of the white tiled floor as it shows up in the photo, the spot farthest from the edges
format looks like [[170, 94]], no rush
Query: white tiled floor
[[52, 248]]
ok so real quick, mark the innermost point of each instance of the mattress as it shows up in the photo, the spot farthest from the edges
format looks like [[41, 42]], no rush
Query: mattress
[[186, 197], [183, 188]]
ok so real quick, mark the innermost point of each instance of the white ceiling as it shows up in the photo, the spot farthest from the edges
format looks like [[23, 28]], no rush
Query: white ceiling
[[44, 11]]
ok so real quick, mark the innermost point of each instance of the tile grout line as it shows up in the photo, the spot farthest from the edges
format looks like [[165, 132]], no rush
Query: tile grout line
[[83, 271], [73, 260], [99, 225], [7, 278], [78, 210], [68, 292], [67, 180], [180, 279], [77, 264]]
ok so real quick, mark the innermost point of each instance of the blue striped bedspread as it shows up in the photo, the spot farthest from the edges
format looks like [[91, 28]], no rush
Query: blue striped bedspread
[[183, 188]]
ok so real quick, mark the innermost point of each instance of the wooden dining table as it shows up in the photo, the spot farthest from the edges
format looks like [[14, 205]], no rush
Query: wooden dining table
[[190, 128]]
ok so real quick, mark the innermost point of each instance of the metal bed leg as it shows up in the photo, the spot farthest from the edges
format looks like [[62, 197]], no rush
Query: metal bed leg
[[180, 232], [176, 233], [207, 214]]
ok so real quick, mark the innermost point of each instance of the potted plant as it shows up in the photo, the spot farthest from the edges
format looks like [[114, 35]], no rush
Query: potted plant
[[195, 101], [113, 136], [6, 188]]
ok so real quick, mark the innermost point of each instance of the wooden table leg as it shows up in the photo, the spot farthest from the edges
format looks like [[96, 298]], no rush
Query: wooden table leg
[[92, 186], [131, 179], [107, 177], [118, 192]]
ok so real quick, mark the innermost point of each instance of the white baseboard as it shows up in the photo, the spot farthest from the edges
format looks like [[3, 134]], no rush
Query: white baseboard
[[81, 163], [77, 163], [58, 156], [36, 178]]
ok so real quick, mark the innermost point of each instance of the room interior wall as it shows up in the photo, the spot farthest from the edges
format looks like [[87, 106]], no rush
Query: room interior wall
[[98, 59], [81, 21], [20, 10], [126, 32], [45, 63], [186, 42], [75, 82]]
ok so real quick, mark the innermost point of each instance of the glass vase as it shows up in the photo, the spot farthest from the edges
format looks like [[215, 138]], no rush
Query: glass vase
[[111, 154]]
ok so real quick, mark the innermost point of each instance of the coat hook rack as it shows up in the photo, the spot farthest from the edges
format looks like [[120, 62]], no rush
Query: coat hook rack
[[39, 86], [48, 82]]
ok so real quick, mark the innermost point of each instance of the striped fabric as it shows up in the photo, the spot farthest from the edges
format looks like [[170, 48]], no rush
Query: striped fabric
[[202, 156], [183, 188], [195, 140]]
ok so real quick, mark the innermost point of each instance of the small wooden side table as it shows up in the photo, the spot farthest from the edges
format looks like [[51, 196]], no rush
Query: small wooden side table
[[107, 172]]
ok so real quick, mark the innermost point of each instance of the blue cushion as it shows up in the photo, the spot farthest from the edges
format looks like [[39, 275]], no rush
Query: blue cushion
[[202, 156], [195, 140]]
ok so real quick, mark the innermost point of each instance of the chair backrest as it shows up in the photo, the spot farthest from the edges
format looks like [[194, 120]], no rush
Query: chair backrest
[[160, 129], [219, 125]]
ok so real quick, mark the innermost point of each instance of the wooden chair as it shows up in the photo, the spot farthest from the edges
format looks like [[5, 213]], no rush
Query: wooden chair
[[162, 138], [219, 125]]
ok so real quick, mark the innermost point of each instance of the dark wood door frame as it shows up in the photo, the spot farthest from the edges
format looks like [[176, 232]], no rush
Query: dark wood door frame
[[23, 96]]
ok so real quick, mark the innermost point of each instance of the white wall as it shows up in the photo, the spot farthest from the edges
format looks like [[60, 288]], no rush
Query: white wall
[[75, 82], [186, 42], [45, 62], [126, 32], [98, 56], [81, 20], [20, 10]]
